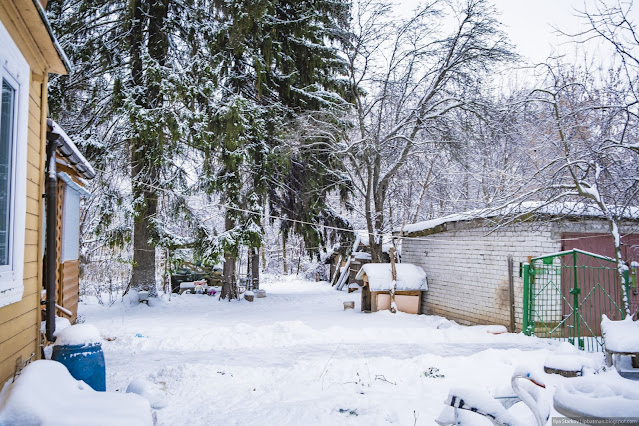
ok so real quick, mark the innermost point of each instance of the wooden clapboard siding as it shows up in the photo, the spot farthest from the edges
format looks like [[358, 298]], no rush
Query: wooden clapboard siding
[[68, 290], [20, 321]]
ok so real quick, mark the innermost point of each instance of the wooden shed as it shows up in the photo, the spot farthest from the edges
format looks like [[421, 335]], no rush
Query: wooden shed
[[378, 289], [72, 171], [29, 53]]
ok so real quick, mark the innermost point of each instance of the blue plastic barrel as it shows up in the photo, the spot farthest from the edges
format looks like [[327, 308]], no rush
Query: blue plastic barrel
[[84, 362]]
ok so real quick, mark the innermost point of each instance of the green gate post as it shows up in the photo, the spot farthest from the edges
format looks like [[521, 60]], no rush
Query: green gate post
[[575, 308], [526, 326]]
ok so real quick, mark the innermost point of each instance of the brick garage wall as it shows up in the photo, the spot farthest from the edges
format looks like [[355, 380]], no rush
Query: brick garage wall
[[467, 268]]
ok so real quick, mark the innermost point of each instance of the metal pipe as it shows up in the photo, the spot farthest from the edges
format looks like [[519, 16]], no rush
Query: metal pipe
[[51, 193]]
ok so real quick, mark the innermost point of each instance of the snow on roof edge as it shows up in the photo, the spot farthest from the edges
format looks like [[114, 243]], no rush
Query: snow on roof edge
[[74, 151], [539, 207]]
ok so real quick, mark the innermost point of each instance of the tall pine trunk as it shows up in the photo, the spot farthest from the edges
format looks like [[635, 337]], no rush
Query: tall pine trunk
[[146, 147]]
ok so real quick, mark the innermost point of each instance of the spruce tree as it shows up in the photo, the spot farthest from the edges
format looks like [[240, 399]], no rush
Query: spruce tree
[[276, 62]]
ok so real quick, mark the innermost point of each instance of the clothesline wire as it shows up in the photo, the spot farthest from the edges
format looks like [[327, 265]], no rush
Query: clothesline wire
[[362, 233]]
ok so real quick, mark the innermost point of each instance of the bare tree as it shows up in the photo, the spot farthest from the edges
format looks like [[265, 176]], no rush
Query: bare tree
[[581, 126], [406, 76]]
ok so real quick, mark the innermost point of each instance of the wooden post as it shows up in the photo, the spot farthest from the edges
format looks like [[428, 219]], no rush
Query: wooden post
[[335, 276], [366, 296], [394, 277]]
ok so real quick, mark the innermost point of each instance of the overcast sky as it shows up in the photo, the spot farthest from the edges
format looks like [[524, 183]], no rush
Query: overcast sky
[[529, 23]]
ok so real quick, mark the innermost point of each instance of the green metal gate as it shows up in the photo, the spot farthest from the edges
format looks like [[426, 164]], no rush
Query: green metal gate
[[566, 293]]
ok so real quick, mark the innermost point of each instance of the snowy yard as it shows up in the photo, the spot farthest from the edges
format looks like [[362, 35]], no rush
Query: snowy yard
[[296, 357]]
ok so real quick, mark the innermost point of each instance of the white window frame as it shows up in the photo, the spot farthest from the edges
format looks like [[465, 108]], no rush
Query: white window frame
[[15, 70]]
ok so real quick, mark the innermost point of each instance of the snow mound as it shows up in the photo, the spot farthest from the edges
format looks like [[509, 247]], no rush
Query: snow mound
[[620, 336], [46, 394], [602, 395], [80, 334], [567, 362], [153, 392], [60, 324], [380, 276]]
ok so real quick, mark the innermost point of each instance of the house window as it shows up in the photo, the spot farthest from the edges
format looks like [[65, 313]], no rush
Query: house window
[[7, 145], [14, 97]]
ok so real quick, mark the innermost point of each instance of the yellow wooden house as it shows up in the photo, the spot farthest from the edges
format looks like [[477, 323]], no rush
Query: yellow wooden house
[[28, 53]]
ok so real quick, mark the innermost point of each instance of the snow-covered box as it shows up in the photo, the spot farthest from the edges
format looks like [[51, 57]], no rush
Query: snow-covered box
[[379, 287]]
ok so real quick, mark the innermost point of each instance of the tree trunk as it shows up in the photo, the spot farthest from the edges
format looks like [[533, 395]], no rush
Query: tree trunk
[[143, 271], [378, 224], [229, 281], [284, 254], [146, 148], [255, 267], [393, 305]]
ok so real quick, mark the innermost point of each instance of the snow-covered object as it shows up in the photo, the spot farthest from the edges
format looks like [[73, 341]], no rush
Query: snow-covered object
[[491, 329], [249, 293], [479, 401], [60, 324], [567, 362], [620, 336], [361, 255], [46, 394], [153, 392], [604, 395], [574, 209], [380, 276], [361, 236], [79, 334]]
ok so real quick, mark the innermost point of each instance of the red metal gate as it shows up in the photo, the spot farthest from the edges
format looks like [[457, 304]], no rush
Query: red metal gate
[[602, 244]]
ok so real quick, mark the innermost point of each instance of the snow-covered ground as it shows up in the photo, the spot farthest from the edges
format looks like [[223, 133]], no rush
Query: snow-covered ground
[[297, 358]]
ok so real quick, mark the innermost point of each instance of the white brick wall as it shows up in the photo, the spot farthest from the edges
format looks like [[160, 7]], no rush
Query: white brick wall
[[467, 269]]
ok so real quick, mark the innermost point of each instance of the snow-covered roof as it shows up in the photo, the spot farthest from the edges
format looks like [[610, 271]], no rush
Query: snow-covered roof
[[571, 209], [68, 150], [380, 278]]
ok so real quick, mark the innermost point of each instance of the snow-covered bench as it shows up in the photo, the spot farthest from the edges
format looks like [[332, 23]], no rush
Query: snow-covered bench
[[621, 338]]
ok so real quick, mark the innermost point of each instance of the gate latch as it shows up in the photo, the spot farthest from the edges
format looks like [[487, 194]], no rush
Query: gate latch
[[575, 291]]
